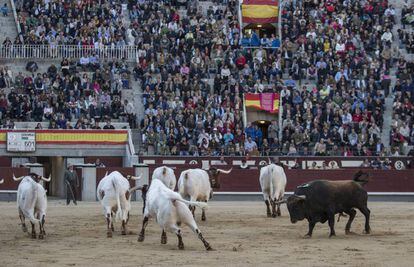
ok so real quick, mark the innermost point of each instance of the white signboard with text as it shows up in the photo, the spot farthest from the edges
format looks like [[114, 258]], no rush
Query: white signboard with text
[[21, 142]]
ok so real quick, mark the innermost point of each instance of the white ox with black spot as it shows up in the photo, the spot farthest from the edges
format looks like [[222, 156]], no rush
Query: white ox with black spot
[[114, 193], [170, 210], [197, 185], [32, 202], [273, 184]]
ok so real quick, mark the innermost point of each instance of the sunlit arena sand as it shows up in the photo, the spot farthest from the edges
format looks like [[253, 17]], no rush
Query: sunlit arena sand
[[240, 233]]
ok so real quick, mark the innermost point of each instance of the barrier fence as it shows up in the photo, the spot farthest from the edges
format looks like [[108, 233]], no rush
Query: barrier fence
[[129, 53]]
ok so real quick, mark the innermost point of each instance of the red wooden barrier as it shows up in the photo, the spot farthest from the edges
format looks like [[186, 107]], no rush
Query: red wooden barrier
[[107, 161], [5, 162], [6, 173], [242, 180]]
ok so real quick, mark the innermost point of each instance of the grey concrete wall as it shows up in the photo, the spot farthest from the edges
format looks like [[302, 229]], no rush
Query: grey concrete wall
[[58, 170], [89, 183], [144, 170]]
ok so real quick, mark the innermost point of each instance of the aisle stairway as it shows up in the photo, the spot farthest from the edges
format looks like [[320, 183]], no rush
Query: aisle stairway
[[7, 24]]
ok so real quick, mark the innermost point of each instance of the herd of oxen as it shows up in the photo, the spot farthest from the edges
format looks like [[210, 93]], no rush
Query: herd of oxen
[[316, 201]]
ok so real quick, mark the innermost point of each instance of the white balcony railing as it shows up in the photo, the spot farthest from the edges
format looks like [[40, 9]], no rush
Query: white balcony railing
[[128, 53]]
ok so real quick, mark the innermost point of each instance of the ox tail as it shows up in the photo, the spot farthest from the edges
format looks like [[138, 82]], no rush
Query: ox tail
[[272, 186], [201, 205], [30, 216], [28, 202], [118, 215]]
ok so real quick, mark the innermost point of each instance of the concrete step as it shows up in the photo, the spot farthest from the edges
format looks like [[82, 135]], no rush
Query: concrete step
[[7, 24]]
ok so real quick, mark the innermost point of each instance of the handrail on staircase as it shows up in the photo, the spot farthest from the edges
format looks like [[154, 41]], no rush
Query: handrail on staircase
[[16, 20]]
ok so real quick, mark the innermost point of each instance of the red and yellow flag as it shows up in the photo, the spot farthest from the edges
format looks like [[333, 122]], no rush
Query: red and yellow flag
[[265, 101], [260, 11]]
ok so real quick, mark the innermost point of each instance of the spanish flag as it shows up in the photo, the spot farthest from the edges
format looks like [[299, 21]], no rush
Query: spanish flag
[[260, 11], [265, 101]]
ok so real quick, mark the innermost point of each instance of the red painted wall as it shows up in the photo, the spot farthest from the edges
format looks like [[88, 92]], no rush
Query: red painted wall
[[107, 161], [6, 173], [242, 180], [5, 161]]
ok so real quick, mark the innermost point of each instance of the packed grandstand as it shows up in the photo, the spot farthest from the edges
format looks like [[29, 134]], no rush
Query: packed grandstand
[[342, 69]]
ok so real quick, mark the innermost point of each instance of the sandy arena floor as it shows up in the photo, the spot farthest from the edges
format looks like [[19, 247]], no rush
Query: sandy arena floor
[[239, 231]]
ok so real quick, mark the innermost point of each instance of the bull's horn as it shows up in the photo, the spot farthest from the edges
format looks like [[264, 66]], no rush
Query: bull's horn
[[1, 181], [17, 179], [46, 179], [301, 196], [106, 173], [268, 159], [130, 177], [225, 172], [132, 189]]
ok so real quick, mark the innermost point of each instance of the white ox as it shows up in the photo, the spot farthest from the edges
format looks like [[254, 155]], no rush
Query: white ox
[[114, 194], [170, 210], [166, 175], [32, 202], [197, 185], [273, 183]]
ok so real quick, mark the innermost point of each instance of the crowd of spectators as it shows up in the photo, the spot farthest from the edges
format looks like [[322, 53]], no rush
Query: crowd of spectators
[[337, 56], [85, 94], [191, 70], [86, 22], [345, 48], [407, 40], [402, 123]]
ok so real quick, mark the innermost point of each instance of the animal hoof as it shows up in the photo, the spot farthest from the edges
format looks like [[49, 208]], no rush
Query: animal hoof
[[123, 232], [34, 236], [41, 236], [141, 238], [203, 218], [109, 234], [210, 249], [181, 247], [24, 228], [307, 236], [367, 232], [163, 241], [332, 235], [349, 232], [274, 215], [269, 215]]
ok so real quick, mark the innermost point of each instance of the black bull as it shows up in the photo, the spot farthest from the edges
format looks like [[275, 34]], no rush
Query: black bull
[[320, 200]]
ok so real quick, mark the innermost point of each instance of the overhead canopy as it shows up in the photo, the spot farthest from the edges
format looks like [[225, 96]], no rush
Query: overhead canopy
[[260, 11]]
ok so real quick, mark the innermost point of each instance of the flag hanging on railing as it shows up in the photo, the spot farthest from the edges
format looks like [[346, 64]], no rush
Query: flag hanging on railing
[[265, 101], [260, 11]]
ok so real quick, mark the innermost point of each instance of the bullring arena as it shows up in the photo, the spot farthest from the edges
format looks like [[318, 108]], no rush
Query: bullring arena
[[121, 118], [240, 233]]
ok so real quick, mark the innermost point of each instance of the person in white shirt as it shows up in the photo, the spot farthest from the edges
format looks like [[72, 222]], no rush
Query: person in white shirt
[[84, 61], [387, 36], [250, 145]]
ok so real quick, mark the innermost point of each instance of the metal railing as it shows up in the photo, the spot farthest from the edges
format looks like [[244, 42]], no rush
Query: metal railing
[[129, 53]]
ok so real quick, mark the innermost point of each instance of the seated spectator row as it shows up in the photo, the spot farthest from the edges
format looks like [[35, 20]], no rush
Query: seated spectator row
[[65, 93], [402, 132]]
